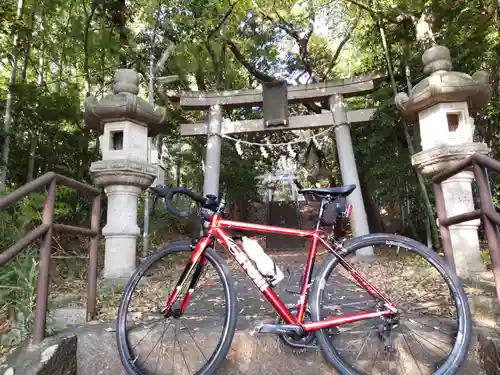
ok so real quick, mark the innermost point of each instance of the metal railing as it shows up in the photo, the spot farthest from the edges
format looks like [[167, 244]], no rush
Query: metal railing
[[45, 230], [491, 219]]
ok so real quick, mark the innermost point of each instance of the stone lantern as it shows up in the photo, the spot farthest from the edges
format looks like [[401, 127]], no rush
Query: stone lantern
[[445, 103], [126, 121]]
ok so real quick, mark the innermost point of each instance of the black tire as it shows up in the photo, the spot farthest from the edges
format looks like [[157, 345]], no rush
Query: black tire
[[221, 351], [461, 347]]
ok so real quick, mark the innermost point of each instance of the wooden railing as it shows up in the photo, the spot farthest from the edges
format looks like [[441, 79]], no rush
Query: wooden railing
[[491, 219], [46, 230]]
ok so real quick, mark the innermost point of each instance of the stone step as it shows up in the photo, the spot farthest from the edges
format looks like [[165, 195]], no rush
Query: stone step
[[92, 350], [62, 318], [489, 345]]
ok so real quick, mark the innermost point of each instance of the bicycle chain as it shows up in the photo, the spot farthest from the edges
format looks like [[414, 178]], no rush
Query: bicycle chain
[[291, 343], [297, 347]]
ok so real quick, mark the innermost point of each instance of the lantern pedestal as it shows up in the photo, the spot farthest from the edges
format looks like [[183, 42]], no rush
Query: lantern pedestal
[[126, 122]]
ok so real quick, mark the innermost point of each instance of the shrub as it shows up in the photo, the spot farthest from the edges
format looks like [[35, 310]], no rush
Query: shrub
[[18, 277]]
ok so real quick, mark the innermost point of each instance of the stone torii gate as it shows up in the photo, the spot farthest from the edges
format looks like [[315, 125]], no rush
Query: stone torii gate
[[274, 101]]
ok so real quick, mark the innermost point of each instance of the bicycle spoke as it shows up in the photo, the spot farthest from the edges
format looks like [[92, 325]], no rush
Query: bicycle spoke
[[182, 352], [189, 331], [374, 360], [154, 346], [362, 348], [421, 345], [173, 358], [429, 326], [158, 357], [355, 341], [400, 364], [411, 352], [414, 332]]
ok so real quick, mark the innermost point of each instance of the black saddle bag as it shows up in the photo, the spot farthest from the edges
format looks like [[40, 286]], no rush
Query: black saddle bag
[[334, 210]]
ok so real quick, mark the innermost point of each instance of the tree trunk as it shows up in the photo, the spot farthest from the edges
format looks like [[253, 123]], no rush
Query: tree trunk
[[122, 32], [375, 221], [86, 46], [411, 150], [178, 173], [27, 46], [40, 82], [32, 157], [26, 43], [83, 163], [8, 105]]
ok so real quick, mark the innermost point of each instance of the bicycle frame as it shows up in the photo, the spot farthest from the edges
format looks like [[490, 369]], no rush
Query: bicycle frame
[[216, 231]]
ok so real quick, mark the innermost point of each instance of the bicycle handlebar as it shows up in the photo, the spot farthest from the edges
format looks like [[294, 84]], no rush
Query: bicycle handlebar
[[210, 202], [170, 196]]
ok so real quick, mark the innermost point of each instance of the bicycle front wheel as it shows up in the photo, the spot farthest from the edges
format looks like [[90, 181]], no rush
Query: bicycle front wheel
[[189, 343], [431, 332]]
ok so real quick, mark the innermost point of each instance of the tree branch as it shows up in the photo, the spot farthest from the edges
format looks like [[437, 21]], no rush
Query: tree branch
[[340, 47], [314, 108], [211, 53], [221, 23], [374, 12], [312, 18], [86, 42], [217, 61], [363, 6], [289, 28], [283, 24], [261, 76]]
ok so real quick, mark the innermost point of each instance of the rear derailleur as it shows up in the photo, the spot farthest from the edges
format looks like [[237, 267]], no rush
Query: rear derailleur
[[385, 330]]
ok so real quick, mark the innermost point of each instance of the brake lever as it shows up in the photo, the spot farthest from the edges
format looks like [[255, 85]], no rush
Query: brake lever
[[210, 201]]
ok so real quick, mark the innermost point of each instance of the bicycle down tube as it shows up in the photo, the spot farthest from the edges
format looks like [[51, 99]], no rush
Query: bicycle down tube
[[216, 230]]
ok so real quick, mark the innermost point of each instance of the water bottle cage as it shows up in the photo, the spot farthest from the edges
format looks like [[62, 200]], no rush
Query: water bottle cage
[[271, 279]]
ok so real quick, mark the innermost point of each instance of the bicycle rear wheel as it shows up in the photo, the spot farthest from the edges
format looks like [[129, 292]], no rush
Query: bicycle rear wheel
[[434, 316], [179, 344]]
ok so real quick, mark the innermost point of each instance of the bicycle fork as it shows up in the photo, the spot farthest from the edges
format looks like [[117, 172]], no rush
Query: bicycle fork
[[198, 266]]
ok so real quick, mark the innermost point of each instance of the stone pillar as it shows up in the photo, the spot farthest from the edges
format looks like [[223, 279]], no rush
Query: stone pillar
[[444, 104], [348, 169], [212, 158], [458, 198], [124, 172], [121, 235]]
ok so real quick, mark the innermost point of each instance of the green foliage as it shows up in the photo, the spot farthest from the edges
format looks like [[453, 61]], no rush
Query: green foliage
[[18, 284], [226, 45], [18, 277], [485, 255]]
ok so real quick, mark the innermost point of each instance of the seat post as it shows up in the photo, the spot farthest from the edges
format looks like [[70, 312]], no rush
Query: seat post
[[324, 202]]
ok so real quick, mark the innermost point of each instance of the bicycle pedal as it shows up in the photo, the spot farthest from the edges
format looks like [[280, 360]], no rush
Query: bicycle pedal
[[256, 329]]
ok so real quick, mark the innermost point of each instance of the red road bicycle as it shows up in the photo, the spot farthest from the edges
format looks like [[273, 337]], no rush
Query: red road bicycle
[[395, 320]]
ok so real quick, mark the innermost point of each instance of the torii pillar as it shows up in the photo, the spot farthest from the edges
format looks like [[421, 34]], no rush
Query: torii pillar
[[349, 170]]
